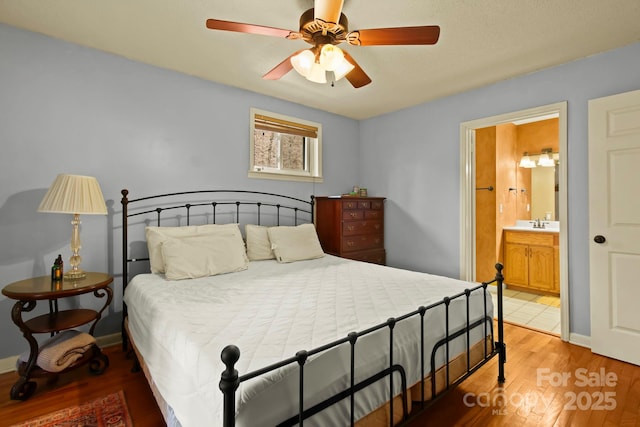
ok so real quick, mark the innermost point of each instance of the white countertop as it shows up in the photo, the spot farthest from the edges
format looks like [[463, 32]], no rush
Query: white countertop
[[524, 225]]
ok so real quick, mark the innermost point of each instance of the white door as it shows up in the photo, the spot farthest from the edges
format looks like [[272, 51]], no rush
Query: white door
[[614, 225]]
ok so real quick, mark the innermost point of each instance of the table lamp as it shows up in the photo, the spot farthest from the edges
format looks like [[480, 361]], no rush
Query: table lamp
[[74, 194]]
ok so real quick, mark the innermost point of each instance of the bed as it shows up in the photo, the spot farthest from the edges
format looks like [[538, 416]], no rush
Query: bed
[[243, 320]]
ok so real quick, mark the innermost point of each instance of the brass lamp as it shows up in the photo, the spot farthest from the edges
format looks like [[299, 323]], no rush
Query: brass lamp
[[74, 194]]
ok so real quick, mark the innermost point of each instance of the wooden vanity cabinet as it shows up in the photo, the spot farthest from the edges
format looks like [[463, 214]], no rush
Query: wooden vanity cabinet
[[351, 227], [531, 261]]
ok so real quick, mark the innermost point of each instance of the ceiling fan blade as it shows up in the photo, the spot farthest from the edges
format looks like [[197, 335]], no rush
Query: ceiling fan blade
[[357, 77], [395, 36], [217, 24], [281, 69], [328, 10]]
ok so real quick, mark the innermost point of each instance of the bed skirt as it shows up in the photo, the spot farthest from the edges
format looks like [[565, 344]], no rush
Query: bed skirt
[[377, 418]]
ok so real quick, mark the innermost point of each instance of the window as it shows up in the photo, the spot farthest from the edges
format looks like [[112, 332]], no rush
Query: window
[[284, 147]]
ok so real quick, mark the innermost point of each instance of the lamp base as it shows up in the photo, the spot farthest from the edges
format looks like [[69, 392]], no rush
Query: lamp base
[[75, 275]]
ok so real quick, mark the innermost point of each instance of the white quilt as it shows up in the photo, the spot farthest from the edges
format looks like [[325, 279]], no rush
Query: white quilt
[[271, 311]]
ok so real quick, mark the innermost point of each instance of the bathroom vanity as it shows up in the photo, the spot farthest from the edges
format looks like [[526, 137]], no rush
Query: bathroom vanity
[[531, 257]]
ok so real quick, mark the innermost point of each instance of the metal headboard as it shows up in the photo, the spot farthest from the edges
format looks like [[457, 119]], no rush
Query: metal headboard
[[211, 202]]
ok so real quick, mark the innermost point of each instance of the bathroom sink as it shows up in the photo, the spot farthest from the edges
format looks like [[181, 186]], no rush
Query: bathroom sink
[[524, 225]]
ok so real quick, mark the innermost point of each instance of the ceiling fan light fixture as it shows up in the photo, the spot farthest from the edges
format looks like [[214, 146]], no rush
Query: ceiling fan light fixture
[[342, 69], [324, 26], [303, 62], [331, 57], [317, 74]]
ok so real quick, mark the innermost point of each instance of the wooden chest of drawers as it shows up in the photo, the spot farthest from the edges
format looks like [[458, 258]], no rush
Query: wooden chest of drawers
[[351, 227]]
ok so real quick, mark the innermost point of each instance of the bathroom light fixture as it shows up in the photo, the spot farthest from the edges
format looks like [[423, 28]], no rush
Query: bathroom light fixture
[[545, 160], [526, 162], [314, 63], [74, 194]]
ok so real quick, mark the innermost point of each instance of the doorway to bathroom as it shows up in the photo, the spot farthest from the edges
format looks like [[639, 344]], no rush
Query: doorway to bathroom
[[501, 197]]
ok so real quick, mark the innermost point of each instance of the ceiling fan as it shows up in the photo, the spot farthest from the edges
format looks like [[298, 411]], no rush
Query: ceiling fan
[[324, 27]]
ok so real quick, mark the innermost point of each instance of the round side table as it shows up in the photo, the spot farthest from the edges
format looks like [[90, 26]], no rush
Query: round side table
[[27, 293]]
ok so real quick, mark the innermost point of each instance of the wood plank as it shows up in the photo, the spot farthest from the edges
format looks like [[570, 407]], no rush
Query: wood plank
[[80, 386], [531, 400], [534, 360]]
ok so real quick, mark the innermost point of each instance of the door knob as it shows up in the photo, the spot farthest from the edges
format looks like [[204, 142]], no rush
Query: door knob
[[599, 239]]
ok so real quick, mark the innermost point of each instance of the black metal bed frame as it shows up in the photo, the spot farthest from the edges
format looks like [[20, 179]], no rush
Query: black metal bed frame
[[230, 378], [299, 206]]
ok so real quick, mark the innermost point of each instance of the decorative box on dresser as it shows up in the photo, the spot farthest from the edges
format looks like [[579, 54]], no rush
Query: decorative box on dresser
[[352, 227]]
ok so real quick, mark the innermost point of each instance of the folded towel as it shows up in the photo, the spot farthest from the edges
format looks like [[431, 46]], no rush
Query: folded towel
[[62, 350]]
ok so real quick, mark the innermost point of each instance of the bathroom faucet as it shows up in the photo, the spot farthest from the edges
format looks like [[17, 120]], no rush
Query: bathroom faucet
[[537, 223]]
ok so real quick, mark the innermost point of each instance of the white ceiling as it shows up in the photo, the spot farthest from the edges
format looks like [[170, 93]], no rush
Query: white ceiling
[[481, 42]]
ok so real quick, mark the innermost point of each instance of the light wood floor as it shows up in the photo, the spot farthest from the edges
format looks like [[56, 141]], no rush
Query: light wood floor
[[530, 397], [535, 394]]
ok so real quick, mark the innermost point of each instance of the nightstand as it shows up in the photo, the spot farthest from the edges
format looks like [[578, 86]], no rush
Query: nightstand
[[28, 292]]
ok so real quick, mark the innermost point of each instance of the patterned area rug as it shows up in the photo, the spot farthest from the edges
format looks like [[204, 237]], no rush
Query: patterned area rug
[[107, 411]]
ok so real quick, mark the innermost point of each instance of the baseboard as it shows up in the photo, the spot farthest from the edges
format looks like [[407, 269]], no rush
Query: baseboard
[[581, 340], [8, 364], [109, 340]]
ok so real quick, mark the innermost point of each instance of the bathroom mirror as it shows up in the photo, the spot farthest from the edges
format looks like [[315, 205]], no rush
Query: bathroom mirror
[[543, 195]]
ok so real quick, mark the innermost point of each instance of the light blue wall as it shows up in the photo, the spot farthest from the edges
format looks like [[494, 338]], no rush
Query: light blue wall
[[412, 156], [65, 108], [69, 109]]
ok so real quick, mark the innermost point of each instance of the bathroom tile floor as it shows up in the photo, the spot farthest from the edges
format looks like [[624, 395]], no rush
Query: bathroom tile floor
[[540, 312]]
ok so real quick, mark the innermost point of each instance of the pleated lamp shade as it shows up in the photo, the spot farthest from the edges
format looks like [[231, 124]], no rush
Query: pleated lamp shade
[[74, 194]]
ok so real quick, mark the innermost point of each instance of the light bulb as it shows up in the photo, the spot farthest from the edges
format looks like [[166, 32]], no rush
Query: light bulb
[[317, 74], [545, 160], [303, 62], [526, 162], [342, 69], [331, 57]]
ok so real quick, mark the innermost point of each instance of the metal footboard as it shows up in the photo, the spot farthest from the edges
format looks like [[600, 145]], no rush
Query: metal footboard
[[231, 380]]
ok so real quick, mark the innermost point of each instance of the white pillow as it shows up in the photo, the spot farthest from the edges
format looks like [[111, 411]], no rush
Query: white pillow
[[258, 243], [295, 243], [203, 255], [156, 235]]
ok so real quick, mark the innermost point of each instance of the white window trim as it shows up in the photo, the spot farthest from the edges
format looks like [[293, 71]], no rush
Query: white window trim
[[314, 174]]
